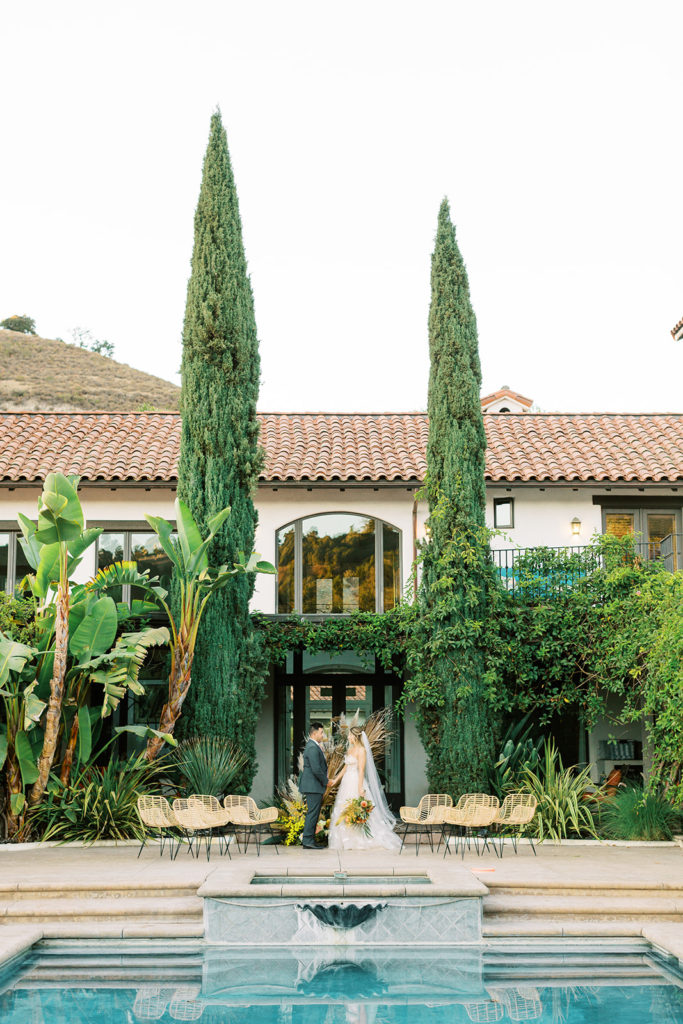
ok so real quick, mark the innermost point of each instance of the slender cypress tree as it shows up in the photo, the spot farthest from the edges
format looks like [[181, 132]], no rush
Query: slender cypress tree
[[448, 661], [220, 456]]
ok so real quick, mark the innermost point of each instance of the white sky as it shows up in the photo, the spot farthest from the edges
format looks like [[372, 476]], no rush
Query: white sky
[[555, 131]]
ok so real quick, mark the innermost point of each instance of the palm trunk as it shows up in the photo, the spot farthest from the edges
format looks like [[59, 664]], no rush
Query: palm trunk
[[14, 786], [178, 685], [69, 753], [54, 707]]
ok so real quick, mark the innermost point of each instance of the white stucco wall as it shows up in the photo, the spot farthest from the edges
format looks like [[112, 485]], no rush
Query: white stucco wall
[[278, 507], [542, 516]]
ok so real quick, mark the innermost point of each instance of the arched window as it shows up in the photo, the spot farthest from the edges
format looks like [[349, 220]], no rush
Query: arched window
[[336, 563]]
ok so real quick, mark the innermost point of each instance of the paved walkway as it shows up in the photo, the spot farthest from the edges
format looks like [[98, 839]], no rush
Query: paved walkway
[[590, 867]]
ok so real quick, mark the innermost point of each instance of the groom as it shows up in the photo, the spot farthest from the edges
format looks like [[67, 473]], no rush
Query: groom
[[313, 783]]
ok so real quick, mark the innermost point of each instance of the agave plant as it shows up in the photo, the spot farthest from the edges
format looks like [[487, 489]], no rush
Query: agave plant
[[208, 765], [565, 806], [101, 803]]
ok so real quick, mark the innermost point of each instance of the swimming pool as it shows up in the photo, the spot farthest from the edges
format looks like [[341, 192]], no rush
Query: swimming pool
[[599, 982]]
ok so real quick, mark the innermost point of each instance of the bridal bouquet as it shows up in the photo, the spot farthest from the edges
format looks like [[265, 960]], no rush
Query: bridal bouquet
[[357, 812]]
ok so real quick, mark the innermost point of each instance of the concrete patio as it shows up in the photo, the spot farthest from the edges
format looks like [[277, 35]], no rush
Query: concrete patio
[[76, 892]]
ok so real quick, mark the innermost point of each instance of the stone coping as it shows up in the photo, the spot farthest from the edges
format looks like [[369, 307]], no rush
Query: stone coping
[[16, 940], [449, 880], [153, 841]]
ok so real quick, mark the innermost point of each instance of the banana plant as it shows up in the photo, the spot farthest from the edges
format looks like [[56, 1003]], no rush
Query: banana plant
[[196, 581], [78, 642], [53, 548], [22, 711], [116, 670]]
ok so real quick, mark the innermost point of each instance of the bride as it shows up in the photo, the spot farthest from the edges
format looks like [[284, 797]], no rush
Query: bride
[[359, 778]]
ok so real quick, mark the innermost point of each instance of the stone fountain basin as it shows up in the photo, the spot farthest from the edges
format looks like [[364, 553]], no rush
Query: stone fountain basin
[[246, 904], [253, 881]]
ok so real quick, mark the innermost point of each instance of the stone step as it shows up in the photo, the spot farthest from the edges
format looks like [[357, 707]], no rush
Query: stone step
[[147, 926], [605, 907], [503, 927], [92, 891], [85, 909], [612, 889]]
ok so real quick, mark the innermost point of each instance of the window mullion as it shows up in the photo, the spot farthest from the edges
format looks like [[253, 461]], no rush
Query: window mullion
[[379, 566], [11, 562], [126, 591], [298, 568]]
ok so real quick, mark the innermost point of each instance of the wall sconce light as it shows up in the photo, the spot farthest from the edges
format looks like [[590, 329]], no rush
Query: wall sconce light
[[576, 526]]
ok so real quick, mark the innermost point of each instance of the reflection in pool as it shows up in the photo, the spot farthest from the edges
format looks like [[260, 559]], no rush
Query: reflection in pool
[[115, 983]]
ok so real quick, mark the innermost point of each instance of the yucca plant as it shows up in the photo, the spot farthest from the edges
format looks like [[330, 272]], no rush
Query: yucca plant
[[208, 765], [101, 803], [635, 813], [565, 808]]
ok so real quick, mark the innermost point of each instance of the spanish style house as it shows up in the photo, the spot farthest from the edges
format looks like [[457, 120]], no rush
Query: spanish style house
[[340, 516]]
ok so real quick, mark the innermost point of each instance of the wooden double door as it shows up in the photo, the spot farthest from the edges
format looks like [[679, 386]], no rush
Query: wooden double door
[[301, 699]]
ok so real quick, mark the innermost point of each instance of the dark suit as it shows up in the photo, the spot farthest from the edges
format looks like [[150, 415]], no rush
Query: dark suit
[[313, 784]]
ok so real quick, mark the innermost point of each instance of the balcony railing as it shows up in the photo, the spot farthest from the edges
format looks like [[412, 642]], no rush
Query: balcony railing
[[542, 571]]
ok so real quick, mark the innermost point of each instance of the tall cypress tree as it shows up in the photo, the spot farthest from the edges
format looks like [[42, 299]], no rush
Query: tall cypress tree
[[220, 457], [448, 660]]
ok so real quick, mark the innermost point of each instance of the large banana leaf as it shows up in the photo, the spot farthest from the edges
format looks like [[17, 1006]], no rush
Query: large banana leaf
[[29, 545], [33, 706], [119, 669], [147, 733], [84, 734], [97, 631], [189, 536], [80, 544], [26, 759], [164, 530], [121, 574], [13, 657], [60, 516]]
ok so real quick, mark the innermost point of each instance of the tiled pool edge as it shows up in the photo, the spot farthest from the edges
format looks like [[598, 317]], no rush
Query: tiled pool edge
[[445, 909]]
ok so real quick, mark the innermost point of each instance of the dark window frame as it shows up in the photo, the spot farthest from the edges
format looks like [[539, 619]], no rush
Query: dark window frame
[[298, 560], [640, 506], [497, 502]]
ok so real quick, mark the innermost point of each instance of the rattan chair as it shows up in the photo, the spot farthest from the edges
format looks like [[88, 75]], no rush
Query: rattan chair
[[150, 1003], [515, 815], [470, 821], [484, 1013], [193, 820], [523, 1004], [425, 818], [155, 813], [185, 1005], [251, 820], [216, 817]]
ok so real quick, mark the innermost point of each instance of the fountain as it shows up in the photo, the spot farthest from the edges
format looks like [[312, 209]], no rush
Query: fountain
[[438, 906]]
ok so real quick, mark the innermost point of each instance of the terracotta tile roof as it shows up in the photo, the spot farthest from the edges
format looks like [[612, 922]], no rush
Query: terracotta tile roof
[[506, 392], [143, 447], [677, 331]]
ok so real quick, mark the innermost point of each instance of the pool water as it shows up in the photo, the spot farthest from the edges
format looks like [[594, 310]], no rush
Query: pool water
[[341, 878], [115, 983]]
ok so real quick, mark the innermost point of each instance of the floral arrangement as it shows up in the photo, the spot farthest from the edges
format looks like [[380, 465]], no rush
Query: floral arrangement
[[357, 812], [323, 828], [292, 815]]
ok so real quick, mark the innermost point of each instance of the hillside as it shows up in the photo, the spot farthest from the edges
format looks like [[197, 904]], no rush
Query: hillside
[[39, 374]]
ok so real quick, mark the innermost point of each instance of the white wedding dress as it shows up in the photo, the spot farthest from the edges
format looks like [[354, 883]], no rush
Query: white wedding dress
[[380, 823]]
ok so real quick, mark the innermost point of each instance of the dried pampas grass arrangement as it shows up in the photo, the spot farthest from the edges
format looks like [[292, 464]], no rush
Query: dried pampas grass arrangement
[[379, 730]]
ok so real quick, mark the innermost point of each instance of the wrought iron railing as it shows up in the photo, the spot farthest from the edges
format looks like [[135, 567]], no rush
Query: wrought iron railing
[[543, 571]]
